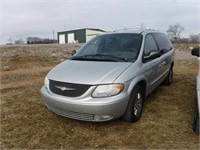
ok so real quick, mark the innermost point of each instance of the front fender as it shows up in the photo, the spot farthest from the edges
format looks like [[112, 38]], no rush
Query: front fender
[[135, 81]]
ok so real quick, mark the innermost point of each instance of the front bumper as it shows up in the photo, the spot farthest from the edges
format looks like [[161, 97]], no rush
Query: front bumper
[[88, 108]]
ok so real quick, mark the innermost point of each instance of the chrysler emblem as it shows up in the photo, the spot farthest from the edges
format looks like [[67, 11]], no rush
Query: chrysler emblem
[[63, 88]]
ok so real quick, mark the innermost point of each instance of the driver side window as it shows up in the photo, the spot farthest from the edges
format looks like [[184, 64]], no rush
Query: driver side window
[[149, 44]]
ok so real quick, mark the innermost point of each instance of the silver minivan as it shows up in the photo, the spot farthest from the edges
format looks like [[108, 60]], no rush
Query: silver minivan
[[110, 76]]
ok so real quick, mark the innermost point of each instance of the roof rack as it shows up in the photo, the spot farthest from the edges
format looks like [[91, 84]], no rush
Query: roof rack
[[151, 29], [135, 29]]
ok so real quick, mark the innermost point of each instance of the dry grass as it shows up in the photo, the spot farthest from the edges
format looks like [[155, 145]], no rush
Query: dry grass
[[27, 124]]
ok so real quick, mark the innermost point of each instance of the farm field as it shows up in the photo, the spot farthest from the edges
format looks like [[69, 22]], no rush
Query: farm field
[[26, 123]]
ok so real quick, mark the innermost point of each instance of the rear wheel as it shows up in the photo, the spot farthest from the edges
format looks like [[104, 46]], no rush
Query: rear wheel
[[135, 105], [169, 78]]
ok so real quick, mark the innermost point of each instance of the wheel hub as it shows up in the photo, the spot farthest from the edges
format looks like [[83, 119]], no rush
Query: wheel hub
[[138, 104]]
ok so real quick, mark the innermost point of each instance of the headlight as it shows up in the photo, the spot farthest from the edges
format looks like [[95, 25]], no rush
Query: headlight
[[46, 82], [108, 90]]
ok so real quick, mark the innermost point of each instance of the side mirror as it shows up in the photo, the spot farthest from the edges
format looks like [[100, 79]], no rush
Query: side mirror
[[152, 55], [196, 52], [73, 52]]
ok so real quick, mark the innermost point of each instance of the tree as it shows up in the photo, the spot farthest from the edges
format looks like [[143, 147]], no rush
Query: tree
[[37, 40], [174, 31], [19, 41], [195, 38]]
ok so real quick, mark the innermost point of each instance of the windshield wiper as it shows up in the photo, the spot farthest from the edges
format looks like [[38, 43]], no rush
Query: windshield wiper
[[99, 57], [114, 58]]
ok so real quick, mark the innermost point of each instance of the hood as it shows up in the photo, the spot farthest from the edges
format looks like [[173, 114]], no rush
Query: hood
[[87, 72]]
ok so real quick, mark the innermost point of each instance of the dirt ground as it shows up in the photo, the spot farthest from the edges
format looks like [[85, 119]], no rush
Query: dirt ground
[[26, 123]]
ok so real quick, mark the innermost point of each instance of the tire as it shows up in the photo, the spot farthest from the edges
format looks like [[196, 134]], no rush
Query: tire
[[169, 78], [135, 106], [196, 122]]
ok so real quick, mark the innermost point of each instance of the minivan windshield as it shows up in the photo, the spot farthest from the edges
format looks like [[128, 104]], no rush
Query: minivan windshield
[[111, 47]]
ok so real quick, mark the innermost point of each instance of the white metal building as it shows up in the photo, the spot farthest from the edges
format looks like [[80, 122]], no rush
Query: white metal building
[[78, 36]]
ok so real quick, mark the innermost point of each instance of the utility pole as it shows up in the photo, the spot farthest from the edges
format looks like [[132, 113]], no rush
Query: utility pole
[[10, 40], [53, 37], [142, 26]]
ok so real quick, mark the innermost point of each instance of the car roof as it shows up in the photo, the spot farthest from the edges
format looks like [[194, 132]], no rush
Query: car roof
[[133, 30]]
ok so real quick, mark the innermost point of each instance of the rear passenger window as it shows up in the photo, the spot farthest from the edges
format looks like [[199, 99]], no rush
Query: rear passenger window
[[163, 41], [149, 44]]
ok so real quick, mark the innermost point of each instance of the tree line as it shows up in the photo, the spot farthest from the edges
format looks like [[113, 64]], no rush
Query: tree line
[[37, 40], [33, 40], [174, 33]]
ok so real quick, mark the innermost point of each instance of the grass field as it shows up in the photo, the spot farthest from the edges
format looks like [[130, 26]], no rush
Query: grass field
[[26, 123]]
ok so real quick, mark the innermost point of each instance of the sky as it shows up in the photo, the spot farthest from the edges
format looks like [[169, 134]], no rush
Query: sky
[[41, 18]]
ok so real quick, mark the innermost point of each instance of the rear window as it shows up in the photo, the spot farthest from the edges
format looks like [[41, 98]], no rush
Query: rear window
[[163, 41]]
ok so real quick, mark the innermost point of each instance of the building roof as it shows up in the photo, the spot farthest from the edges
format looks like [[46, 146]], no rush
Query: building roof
[[95, 29]]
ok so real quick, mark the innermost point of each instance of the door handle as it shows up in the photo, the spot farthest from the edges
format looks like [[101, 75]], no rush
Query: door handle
[[162, 64]]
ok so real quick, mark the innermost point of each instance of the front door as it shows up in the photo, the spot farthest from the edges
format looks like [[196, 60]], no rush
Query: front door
[[153, 66]]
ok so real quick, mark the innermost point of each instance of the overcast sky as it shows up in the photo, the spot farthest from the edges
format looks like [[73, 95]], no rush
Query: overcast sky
[[24, 18]]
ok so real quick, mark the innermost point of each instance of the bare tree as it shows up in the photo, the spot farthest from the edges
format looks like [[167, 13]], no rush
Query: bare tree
[[19, 41], [195, 38], [37, 40], [174, 31]]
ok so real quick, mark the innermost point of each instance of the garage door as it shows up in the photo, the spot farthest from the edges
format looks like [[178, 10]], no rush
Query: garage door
[[61, 39], [70, 37]]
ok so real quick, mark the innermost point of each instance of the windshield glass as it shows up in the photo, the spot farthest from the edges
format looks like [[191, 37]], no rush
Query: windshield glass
[[111, 47]]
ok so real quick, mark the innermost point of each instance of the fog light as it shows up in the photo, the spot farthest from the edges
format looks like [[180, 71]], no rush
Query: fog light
[[102, 117]]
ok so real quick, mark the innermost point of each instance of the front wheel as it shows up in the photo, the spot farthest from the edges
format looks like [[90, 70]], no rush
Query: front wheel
[[135, 105], [169, 78]]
